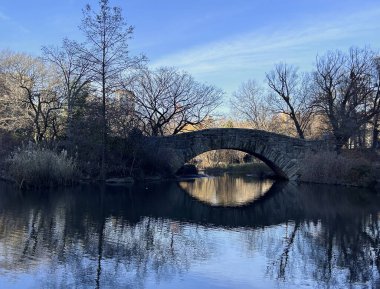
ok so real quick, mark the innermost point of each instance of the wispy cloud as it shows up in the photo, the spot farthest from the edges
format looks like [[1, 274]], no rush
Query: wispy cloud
[[228, 61], [4, 17], [12, 23]]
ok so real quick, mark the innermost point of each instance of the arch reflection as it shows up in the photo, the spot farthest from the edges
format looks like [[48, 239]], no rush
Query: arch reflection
[[227, 191], [144, 236]]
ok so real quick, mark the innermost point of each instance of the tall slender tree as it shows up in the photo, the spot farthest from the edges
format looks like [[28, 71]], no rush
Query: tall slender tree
[[106, 50]]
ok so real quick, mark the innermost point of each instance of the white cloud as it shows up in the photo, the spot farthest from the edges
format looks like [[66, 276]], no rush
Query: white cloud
[[228, 62]]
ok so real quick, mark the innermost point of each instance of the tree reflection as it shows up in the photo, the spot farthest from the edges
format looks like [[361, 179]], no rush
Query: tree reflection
[[120, 237], [89, 243], [334, 241]]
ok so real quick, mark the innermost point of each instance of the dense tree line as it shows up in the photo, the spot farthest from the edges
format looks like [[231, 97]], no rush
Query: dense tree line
[[339, 99], [86, 96], [94, 97]]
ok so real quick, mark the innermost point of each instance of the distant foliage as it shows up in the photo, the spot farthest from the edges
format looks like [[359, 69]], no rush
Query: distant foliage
[[331, 168], [34, 166]]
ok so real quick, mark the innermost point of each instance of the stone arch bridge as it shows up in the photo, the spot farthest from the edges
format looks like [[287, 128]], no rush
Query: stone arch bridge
[[283, 154]]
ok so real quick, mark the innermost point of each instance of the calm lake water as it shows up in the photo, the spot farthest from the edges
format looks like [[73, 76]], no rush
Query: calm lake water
[[222, 232]]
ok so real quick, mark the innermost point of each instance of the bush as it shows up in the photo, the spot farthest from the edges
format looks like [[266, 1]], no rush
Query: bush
[[159, 162], [331, 168], [33, 166], [187, 169]]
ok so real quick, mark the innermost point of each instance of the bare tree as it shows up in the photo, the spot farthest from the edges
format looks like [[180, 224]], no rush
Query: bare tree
[[375, 121], [34, 89], [121, 111], [13, 115], [168, 101], [248, 103], [346, 91], [73, 70], [4, 89], [290, 95], [106, 51]]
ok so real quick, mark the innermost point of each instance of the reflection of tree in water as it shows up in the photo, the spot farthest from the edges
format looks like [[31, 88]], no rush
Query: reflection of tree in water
[[227, 190], [129, 253], [101, 250], [353, 246], [334, 243], [121, 237]]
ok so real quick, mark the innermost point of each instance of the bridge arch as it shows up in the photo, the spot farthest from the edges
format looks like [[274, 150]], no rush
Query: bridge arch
[[281, 153], [266, 157]]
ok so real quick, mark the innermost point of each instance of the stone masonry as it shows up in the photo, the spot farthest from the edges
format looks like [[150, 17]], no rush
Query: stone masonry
[[283, 154]]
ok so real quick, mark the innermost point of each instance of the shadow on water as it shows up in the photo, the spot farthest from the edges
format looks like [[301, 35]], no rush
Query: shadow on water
[[106, 237]]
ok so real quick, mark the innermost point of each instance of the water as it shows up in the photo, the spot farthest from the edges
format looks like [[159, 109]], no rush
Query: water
[[224, 232]]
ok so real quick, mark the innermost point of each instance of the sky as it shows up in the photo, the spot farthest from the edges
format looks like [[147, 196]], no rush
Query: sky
[[220, 42]]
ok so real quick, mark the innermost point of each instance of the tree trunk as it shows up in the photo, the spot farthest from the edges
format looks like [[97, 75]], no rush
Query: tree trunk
[[340, 141], [104, 131], [299, 130], [104, 122], [69, 121], [295, 120], [375, 132]]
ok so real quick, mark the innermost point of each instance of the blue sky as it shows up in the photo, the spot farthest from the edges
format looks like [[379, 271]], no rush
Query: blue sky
[[221, 42]]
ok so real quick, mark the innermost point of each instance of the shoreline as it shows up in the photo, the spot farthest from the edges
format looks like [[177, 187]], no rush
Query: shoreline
[[254, 170]]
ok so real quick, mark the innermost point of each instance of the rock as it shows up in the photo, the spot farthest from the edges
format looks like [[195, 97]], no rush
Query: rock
[[187, 169], [6, 178], [191, 177], [152, 178], [116, 181], [377, 186]]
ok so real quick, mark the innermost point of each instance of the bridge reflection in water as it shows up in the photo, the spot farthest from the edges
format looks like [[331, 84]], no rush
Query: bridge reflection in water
[[227, 191], [159, 236]]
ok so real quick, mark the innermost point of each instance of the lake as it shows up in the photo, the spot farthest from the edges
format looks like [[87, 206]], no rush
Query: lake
[[218, 232]]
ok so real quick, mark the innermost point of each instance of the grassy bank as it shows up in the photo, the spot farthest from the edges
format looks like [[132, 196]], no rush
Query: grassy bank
[[353, 168], [35, 167], [359, 168]]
